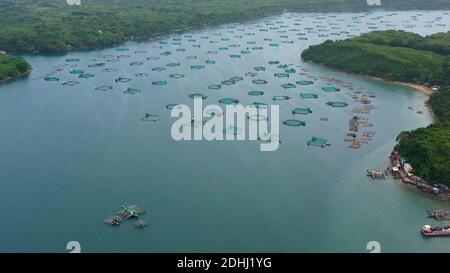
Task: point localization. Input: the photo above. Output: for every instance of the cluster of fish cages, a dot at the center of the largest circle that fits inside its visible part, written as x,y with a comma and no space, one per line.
170,62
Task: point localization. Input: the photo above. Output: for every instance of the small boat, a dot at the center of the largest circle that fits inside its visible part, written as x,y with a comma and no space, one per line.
376,174
439,214
427,230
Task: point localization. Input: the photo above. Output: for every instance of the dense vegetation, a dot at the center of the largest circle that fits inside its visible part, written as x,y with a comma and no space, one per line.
403,56
428,149
11,67
54,26
392,55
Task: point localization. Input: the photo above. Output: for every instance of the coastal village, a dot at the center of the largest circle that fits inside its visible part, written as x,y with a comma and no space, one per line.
400,169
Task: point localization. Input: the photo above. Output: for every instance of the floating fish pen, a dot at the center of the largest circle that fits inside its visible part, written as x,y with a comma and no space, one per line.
236,79
173,64
259,68
158,69
290,71
319,142
198,66
308,96
214,86
232,130
256,93
72,60
195,123
122,79
257,117
269,137
337,104
368,134
70,83
354,143
228,101
259,81
176,76
104,88
211,112
294,123
330,89
127,212
159,83
122,49
258,105
288,85
304,82
198,96
251,74
141,75
76,71
132,91
245,52
281,75
96,65
51,79
86,76
171,106
150,117
210,62
278,98
235,56
353,124
228,82
166,53
136,63
109,69
274,62
302,111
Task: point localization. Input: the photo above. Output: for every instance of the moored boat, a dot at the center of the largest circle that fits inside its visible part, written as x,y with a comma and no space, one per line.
427,230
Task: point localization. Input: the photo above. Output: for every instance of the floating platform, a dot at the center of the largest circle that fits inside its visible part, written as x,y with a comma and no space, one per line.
439,214
127,212
319,142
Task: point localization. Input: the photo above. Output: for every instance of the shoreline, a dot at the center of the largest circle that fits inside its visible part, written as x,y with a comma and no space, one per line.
414,86
418,87
16,77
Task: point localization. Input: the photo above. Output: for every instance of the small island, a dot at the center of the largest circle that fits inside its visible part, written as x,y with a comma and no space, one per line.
410,59
12,68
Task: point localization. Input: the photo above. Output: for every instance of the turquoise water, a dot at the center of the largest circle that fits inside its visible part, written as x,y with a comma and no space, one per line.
71,155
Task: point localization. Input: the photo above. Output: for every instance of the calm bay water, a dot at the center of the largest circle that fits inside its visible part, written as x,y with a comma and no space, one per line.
70,156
